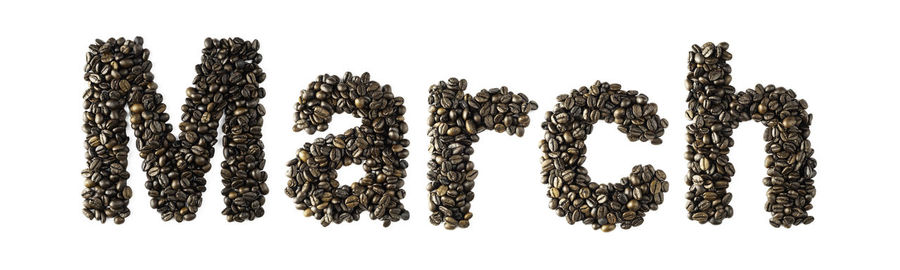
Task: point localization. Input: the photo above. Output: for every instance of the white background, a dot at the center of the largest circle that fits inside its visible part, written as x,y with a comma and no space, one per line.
841,58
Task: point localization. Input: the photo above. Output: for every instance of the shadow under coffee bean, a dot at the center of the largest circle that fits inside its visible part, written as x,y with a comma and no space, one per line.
716,110
572,193
227,84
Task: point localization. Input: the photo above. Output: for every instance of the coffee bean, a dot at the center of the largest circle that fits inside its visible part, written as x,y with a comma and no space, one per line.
377,144
94,78
716,109
453,131
607,227
704,164
633,205
451,173
572,193
471,128
701,217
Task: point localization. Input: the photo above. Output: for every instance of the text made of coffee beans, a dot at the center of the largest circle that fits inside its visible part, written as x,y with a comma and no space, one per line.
227,89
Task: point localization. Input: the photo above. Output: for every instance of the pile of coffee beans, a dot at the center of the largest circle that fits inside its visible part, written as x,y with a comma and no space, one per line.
377,144
572,193
455,121
227,82
716,110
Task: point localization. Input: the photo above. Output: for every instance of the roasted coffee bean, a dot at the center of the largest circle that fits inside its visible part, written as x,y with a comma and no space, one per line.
378,145
227,83
455,121
716,109
572,193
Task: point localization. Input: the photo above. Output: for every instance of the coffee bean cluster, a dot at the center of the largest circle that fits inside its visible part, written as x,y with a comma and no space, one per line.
572,193
455,121
227,83
377,144
716,110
